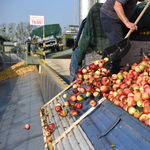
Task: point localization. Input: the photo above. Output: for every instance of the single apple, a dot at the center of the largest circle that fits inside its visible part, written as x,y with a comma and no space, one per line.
93,102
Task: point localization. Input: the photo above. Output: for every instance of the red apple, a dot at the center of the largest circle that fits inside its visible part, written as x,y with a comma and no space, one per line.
127,91
93,102
58,108
63,113
105,80
145,96
104,89
51,126
146,103
147,122
74,112
146,109
91,79
89,88
82,90
78,80
80,70
73,98
79,75
93,67
147,89
67,104
27,126
78,105
137,96
101,63
143,117
47,133
137,114
84,71
131,101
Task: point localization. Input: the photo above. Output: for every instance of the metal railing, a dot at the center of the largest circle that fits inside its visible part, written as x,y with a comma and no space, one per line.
12,56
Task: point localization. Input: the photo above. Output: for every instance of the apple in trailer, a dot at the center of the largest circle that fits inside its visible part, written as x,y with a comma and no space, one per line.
79,75
120,76
74,112
93,102
143,117
58,108
93,67
78,105
80,70
101,63
88,88
105,81
67,104
73,98
80,97
27,126
63,113
104,89
65,95
139,103
137,114
145,96
88,94
51,126
75,90
106,59
47,133
96,94
146,109
146,103
82,90
131,110
84,71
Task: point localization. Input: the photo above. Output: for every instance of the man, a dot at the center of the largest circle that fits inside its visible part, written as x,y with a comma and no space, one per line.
28,47
115,15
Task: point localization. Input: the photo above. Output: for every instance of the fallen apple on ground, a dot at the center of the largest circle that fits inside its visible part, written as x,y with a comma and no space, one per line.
27,126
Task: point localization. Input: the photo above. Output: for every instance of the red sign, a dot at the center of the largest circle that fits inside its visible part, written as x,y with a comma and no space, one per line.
36,20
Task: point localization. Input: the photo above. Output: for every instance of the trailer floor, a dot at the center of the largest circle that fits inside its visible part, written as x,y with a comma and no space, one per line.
20,100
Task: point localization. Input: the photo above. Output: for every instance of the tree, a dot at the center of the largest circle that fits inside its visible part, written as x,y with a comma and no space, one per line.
16,33
3,29
23,31
12,31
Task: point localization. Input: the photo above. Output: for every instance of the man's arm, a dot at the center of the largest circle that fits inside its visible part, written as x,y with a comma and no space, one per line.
120,12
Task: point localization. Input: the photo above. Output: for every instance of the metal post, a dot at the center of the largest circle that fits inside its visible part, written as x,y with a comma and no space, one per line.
44,43
26,53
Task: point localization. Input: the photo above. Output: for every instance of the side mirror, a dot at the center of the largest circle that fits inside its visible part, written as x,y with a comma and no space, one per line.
70,43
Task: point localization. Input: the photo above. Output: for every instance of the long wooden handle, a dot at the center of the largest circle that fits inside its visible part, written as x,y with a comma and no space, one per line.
139,17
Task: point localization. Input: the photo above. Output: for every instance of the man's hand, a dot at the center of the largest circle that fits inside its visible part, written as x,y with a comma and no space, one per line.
131,26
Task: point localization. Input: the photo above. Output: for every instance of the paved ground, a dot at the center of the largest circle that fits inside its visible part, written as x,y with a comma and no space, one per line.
61,67
20,100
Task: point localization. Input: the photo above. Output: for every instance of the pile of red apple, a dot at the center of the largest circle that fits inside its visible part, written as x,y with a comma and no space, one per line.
48,128
129,89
